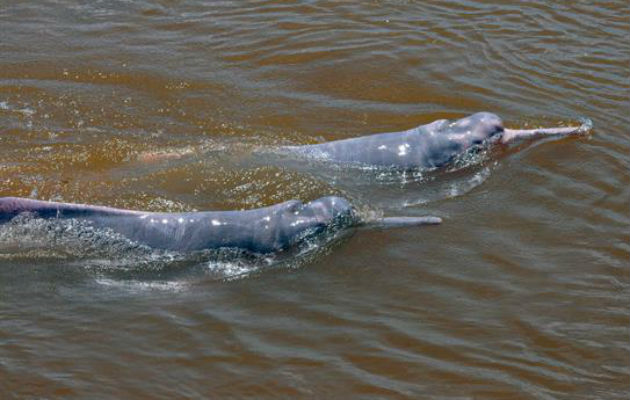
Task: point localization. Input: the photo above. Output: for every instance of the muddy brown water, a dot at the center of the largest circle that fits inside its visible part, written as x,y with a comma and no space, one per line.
523,292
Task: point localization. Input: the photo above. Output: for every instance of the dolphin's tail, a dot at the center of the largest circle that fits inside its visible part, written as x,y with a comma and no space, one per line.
399,222
510,135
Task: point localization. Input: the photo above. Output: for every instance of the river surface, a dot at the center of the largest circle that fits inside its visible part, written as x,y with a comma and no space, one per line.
522,292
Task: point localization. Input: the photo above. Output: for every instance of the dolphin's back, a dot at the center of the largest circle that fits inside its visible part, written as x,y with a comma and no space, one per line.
13,206
261,230
415,147
426,146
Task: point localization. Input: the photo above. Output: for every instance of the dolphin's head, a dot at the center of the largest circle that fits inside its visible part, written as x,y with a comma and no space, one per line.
325,211
298,220
332,210
477,129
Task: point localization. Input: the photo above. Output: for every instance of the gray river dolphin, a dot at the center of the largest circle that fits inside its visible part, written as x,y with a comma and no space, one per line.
428,146
262,230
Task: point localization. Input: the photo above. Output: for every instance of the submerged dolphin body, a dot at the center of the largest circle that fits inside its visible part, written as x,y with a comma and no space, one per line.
427,146
262,230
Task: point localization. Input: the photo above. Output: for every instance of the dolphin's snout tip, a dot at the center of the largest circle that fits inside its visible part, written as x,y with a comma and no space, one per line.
586,125
433,220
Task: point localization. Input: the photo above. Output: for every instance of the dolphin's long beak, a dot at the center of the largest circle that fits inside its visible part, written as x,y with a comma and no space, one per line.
400,222
510,135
